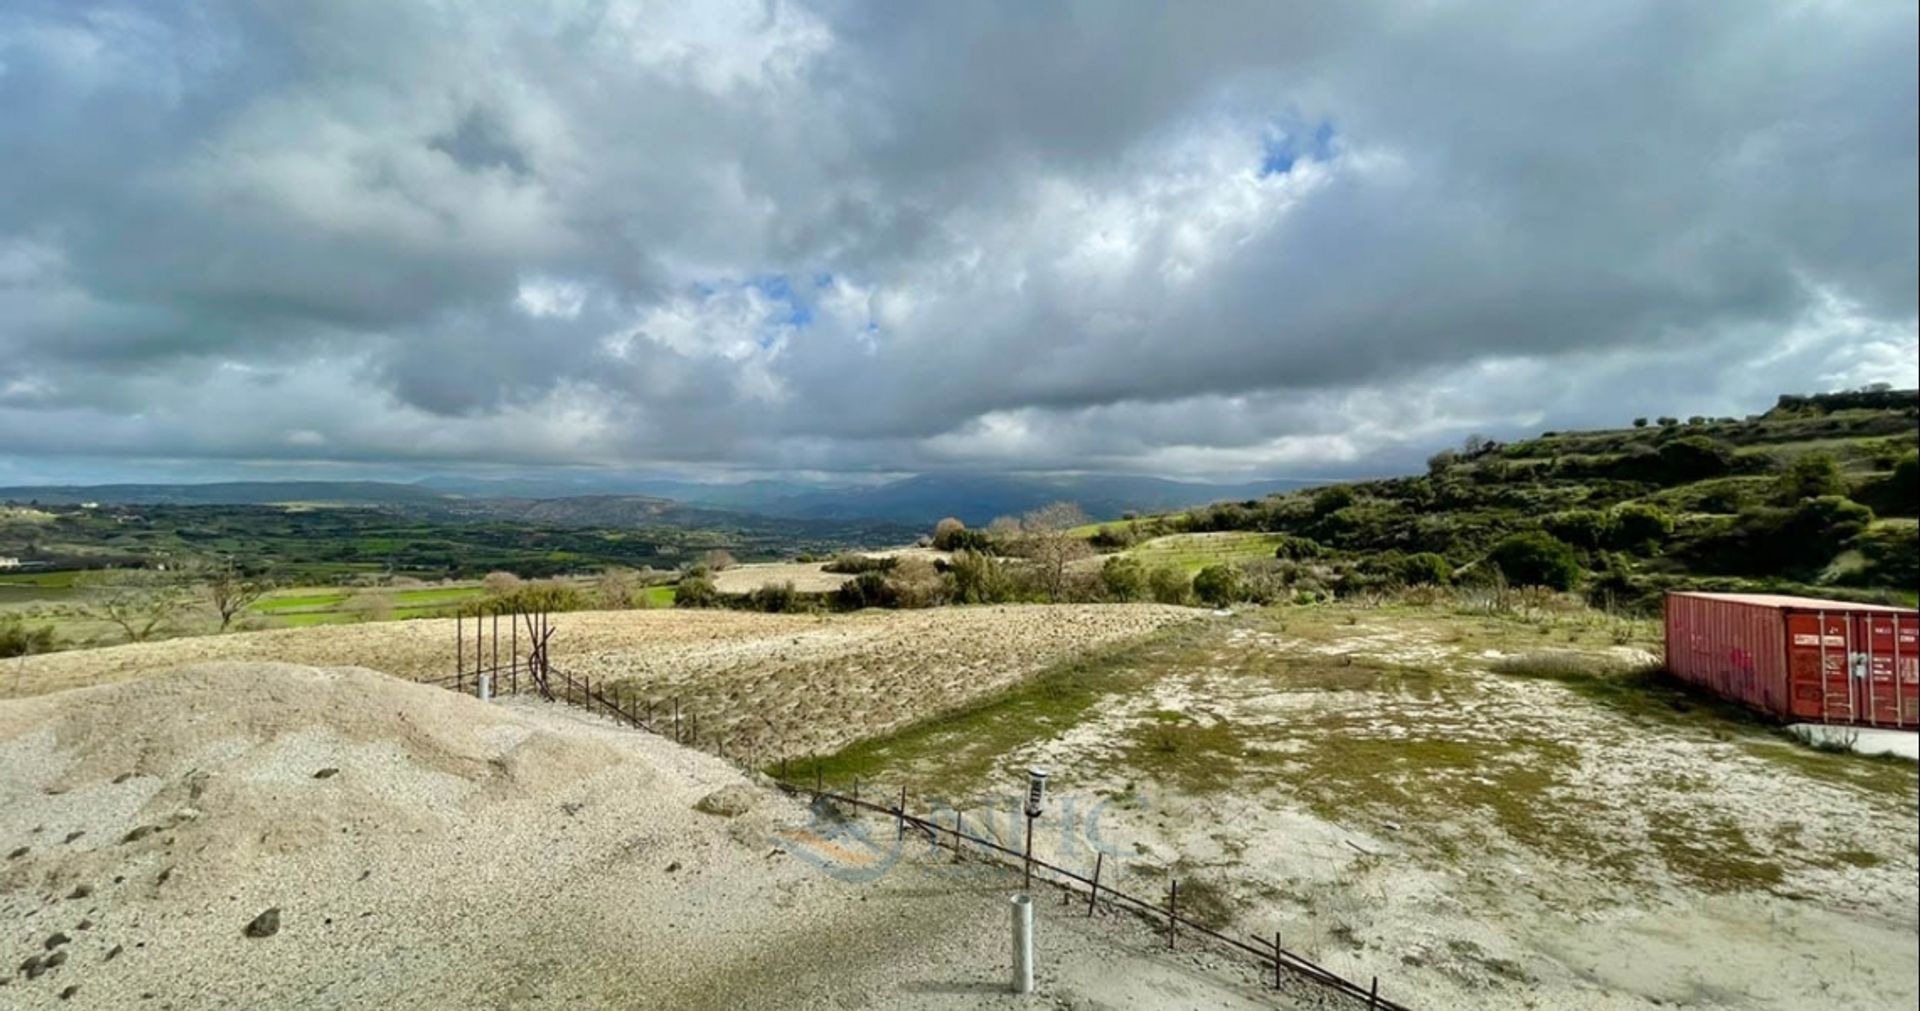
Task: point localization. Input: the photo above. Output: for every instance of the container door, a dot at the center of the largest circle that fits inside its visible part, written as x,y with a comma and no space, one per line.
1886,663
1823,688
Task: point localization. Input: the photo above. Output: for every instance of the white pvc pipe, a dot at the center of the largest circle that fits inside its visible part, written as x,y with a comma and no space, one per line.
1023,943
486,687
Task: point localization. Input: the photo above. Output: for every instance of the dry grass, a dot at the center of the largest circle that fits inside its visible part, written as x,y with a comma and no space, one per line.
769,683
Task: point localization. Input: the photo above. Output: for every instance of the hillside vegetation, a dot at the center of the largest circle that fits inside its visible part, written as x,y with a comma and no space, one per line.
1818,494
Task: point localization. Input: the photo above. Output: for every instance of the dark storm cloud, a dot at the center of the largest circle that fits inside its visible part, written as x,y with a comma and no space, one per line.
1231,239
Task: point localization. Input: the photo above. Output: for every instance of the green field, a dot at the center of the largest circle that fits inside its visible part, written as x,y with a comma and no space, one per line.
1193,552
300,606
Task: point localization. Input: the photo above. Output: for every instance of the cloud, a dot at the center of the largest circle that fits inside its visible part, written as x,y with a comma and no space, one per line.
774,235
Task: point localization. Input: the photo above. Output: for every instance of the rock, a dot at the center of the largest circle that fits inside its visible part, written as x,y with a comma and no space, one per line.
75,834
139,833
80,892
55,960
86,924
327,773
33,967
17,854
266,924
68,993
572,808
673,867
728,801
113,953
59,938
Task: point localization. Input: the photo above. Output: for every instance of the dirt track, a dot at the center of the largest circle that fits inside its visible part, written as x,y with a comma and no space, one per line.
775,683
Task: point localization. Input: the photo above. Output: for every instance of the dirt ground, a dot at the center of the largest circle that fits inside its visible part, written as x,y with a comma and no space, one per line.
770,684
1360,781
424,849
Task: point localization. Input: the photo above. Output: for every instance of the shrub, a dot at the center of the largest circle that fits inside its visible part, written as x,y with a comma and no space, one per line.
1330,500
1296,549
977,578
1425,569
716,560
1441,462
1115,537
1168,585
1638,526
1810,476
776,598
1693,458
852,564
1892,554
1536,558
868,589
1639,422
370,605
499,584
1585,528
18,639
696,590
945,531
914,582
1219,585
546,595
616,590
1123,578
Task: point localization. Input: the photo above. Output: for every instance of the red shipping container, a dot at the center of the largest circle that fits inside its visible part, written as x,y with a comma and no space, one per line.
1801,659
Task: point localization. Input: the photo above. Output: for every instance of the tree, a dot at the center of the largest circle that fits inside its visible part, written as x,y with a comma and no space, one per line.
142,603
1536,558
1439,462
1219,585
231,590
915,582
1639,422
1587,528
1810,476
1124,578
716,560
1047,541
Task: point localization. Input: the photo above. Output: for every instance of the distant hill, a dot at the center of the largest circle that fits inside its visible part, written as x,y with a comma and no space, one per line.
977,498
344,493
618,500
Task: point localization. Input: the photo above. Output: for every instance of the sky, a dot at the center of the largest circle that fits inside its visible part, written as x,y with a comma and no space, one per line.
723,238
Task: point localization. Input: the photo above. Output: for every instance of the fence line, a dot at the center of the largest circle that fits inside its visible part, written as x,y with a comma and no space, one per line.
557,685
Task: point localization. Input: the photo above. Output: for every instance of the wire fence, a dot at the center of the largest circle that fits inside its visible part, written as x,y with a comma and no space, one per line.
536,673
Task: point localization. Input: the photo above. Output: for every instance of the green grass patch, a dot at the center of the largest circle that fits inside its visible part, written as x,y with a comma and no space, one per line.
1711,854
299,602
1194,552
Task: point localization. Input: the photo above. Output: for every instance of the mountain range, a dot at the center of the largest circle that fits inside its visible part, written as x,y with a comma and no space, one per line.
621,501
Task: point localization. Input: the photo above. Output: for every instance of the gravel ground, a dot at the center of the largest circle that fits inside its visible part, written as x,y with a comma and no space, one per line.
770,683
424,848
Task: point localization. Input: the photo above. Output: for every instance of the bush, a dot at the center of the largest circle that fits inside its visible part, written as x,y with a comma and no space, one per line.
868,589
499,584
546,595
1425,569
1297,549
1219,585
18,639
914,582
696,590
776,598
1536,558
1892,554
1123,578
1693,458
1115,537
1585,528
1639,527
976,577
1168,585
717,560
853,565
1810,476
945,531
1331,500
